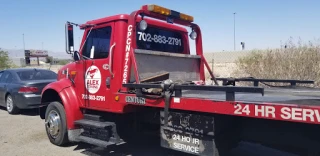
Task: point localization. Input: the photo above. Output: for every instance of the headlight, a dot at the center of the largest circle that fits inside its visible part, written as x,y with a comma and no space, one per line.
143,25
193,35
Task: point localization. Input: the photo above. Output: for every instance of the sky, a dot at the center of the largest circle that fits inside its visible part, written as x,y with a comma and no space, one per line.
259,23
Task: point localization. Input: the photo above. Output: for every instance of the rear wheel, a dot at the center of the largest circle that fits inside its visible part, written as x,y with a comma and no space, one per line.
55,124
10,105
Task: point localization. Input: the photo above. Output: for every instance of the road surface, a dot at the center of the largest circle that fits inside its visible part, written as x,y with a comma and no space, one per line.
24,135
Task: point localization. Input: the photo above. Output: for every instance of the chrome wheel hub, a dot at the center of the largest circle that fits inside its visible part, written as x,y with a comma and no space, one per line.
9,104
53,123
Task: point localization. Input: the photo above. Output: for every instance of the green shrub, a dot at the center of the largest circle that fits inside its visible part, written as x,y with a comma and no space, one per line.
296,61
63,62
5,61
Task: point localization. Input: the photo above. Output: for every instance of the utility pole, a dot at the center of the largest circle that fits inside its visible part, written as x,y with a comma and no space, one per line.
234,30
212,66
24,46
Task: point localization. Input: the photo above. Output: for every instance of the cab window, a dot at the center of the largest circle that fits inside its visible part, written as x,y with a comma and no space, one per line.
99,41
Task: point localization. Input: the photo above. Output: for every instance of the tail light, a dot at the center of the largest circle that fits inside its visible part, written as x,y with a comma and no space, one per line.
28,90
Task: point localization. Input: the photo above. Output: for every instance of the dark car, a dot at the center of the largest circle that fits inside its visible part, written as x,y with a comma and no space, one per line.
20,88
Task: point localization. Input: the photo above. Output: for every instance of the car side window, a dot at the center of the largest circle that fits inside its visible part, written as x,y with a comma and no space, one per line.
9,78
4,77
99,41
1,74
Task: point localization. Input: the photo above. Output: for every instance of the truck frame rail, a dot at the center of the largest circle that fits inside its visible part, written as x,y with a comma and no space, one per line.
232,81
177,88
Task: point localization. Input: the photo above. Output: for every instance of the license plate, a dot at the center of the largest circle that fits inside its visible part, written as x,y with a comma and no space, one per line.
188,133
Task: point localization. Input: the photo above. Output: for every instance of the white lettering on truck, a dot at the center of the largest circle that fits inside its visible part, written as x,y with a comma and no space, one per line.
300,114
126,59
186,143
285,113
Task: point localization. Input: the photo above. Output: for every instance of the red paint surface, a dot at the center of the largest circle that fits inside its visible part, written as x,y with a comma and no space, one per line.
69,100
73,102
229,108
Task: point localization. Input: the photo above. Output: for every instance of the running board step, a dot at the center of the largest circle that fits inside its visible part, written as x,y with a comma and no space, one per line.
99,133
93,141
92,117
93,123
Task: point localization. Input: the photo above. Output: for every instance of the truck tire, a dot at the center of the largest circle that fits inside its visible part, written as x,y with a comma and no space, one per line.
220,151
55,124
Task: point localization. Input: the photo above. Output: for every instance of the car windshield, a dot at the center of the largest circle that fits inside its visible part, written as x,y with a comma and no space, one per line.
158,39
36,75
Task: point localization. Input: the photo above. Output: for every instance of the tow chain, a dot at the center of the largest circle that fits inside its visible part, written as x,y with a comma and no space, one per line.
165,93
167,98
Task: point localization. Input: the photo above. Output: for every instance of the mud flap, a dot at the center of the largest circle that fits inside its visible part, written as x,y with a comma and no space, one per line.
189,133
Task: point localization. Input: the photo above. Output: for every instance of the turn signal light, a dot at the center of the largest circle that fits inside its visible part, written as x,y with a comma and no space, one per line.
73,73
116,98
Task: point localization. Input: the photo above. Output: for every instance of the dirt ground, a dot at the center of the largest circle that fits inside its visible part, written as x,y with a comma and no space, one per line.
24,135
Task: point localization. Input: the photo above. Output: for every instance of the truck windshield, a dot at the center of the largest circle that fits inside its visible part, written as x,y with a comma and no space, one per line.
158,39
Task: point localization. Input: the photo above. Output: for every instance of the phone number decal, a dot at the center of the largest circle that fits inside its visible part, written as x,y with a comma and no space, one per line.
93,97
159,39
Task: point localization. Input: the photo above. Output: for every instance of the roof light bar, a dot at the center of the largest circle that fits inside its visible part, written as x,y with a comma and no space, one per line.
186,17
167,12
159,9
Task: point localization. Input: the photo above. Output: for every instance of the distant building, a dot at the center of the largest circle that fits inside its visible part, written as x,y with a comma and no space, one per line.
21,62
18,61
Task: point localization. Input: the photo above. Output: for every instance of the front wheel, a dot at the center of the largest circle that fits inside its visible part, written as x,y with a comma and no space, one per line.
55,124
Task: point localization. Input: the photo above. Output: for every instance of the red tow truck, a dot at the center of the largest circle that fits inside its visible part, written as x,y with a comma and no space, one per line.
134,74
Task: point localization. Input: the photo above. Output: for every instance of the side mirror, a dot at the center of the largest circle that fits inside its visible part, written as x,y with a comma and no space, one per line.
69,38
76,56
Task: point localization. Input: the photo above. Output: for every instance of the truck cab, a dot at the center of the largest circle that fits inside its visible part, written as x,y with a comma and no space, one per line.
102,64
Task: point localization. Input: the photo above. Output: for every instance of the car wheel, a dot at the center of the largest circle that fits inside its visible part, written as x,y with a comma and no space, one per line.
11,107
55,124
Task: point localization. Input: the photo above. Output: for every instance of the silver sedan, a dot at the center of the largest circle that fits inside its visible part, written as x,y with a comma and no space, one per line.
20,88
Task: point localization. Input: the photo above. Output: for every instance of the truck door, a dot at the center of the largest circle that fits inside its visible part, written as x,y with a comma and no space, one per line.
91,85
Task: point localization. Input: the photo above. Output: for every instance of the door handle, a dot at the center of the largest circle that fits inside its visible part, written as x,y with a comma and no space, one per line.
110,59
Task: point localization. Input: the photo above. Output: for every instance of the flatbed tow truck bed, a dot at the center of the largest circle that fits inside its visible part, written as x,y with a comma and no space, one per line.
284,103
278,95
298,106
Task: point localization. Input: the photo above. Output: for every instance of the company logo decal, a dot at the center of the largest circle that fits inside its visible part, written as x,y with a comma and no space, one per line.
93,79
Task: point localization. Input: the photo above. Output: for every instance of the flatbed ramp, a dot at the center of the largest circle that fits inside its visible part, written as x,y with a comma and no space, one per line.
298,96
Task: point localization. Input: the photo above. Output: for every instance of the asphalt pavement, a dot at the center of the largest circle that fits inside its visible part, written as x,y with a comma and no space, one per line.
24,135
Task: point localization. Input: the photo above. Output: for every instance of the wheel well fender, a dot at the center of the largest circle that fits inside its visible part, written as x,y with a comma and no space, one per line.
5,97
63,92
